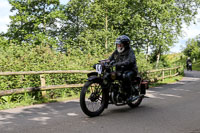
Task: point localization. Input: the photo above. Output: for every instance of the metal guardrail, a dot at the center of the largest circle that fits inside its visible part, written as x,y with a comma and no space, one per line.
43,86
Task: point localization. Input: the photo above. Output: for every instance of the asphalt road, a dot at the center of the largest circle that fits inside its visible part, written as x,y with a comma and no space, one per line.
172,108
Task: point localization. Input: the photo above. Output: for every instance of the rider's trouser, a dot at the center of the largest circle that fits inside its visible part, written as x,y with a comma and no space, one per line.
128,77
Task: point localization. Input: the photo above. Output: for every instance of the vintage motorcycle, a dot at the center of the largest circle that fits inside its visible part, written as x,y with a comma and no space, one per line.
105,86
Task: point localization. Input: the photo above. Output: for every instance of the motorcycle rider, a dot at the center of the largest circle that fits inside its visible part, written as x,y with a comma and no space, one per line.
189,62
125,61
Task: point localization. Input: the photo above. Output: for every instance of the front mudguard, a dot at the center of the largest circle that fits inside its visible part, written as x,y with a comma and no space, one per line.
92,74
95,79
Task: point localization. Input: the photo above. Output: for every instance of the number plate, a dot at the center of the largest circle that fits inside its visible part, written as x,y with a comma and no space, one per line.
98,69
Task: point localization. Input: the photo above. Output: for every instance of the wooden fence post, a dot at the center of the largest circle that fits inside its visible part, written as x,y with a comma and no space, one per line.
163,74
147,74
175,70
43,83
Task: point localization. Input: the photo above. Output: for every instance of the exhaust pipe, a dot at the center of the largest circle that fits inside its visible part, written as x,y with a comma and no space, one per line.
134,98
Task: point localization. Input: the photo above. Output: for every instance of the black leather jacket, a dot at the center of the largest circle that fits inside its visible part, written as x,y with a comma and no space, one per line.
126,59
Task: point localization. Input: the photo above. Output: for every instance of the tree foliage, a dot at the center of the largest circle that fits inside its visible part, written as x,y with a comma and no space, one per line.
192,48
34,21
91,26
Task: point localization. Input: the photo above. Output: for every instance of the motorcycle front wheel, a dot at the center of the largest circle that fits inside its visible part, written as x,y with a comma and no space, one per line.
92,99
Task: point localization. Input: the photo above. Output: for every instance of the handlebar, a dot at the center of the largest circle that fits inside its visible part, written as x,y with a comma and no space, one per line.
112,62
105,64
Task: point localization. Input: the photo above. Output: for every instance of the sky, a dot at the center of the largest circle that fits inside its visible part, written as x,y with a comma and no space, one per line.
188,32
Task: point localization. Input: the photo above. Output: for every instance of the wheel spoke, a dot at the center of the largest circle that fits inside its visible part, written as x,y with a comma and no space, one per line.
94,100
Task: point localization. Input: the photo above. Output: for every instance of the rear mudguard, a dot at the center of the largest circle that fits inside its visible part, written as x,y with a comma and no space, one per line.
144,86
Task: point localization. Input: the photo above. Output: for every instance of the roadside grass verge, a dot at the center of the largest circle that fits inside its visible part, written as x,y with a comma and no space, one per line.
196,66
166,81
29,100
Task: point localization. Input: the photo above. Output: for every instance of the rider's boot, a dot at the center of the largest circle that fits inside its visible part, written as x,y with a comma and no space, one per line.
133,91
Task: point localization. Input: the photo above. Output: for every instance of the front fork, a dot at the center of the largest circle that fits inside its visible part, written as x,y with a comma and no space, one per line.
105,89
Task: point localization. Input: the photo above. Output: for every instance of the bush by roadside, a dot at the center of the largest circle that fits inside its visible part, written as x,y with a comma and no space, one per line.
41,58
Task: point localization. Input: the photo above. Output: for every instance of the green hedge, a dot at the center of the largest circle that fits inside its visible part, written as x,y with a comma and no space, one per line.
41,58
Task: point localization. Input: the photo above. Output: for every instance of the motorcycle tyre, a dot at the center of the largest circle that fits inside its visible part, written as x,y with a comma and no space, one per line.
134,105
83,103
138,101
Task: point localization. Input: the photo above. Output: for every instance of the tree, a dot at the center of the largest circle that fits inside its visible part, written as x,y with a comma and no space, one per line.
71,23
87,25
32,17
164,21
192,48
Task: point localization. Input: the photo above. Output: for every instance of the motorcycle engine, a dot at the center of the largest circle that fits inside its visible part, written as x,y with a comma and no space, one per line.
117,96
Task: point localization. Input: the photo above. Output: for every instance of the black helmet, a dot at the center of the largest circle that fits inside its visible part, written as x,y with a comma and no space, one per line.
123,39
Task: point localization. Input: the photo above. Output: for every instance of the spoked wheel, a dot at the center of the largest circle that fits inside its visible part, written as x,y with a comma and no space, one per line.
92,99
137,102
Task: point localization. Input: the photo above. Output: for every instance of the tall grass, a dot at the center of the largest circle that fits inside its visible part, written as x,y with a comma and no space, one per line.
196,66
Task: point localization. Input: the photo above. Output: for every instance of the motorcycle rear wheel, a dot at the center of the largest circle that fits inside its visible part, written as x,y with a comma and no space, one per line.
137,102
92,99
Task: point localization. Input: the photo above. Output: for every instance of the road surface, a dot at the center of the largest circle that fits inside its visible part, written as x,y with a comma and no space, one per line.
172,108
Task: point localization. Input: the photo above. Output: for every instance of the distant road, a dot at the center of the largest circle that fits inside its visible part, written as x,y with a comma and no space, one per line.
172,108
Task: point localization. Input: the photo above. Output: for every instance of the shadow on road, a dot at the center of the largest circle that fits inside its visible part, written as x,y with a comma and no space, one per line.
44,115
36,115
41,115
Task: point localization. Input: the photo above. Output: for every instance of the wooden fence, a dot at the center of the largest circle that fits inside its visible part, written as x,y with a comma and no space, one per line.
162,73
43,86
